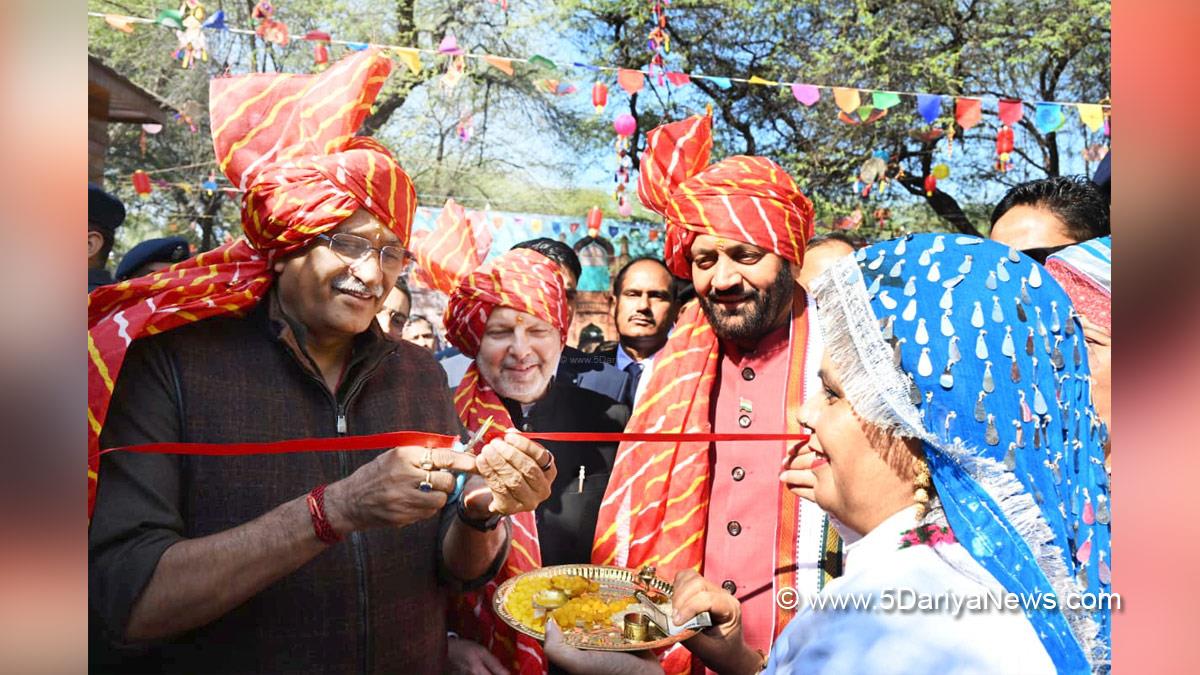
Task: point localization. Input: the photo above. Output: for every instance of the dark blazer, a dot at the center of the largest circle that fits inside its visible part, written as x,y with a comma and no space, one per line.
596,371
567,520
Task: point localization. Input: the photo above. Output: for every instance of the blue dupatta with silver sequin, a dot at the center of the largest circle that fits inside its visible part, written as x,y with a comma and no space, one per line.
973,348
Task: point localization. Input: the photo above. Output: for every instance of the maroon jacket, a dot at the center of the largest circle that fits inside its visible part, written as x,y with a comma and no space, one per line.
371,603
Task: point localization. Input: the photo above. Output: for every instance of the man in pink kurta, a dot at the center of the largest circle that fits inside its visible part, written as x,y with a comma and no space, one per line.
740,360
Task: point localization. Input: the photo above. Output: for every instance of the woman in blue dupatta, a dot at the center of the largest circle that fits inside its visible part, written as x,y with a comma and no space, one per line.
957,445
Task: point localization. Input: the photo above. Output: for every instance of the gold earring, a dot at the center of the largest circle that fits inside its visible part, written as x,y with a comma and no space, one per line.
922,483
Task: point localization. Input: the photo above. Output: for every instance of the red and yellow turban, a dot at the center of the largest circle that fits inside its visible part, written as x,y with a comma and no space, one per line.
750,199
288,141
528,282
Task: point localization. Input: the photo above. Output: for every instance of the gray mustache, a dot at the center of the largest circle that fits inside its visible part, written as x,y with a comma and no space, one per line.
353,285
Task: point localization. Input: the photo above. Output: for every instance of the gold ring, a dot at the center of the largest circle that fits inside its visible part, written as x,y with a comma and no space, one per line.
427,460
426,485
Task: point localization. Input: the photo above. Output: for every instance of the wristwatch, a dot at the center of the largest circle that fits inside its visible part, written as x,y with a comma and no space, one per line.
486,525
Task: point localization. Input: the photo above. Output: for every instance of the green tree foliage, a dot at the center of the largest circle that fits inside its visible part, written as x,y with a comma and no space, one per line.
1033,50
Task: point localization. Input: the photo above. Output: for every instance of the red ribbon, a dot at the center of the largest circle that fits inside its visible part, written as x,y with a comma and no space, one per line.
420,439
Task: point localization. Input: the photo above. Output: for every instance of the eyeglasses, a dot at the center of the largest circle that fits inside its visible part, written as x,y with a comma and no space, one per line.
393,260
1040,254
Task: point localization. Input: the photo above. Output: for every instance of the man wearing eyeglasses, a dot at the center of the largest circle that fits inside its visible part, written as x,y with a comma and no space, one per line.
1042,217
315,562
396,308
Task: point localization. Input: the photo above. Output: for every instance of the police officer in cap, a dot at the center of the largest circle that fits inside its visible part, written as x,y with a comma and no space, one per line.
153,255
105,214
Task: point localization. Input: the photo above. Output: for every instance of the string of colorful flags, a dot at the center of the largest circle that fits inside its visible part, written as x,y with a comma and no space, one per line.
856,105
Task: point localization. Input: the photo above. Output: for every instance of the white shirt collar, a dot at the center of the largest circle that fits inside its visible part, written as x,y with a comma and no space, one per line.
882,540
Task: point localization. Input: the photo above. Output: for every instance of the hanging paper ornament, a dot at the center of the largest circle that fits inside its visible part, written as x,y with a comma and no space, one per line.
502,64
1092,115
658,43
612,231
625,124
574,227
884,99
624,207
930,184
320,47
455,70
594,218
535,225
556,226
268,28
192,43
599,96
940,171
539,61
141,183
411,58
1004,148
465,127
871,170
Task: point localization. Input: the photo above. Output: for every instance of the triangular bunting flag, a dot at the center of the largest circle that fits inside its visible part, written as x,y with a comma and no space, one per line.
502,64
806,94
722,82
119,22
1010,112
1092,115
631,81
930,106
678,79
884,99
968,112
1048,117
411,58
848,100
542,62
754,79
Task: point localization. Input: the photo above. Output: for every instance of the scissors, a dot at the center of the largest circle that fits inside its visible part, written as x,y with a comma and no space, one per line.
469,446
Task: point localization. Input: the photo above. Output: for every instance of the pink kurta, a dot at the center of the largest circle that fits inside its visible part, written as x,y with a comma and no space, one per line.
744,504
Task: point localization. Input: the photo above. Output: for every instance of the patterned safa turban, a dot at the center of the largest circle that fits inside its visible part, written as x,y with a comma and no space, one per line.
288,141
750,199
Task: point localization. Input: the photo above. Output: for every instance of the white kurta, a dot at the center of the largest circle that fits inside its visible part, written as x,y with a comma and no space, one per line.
876,641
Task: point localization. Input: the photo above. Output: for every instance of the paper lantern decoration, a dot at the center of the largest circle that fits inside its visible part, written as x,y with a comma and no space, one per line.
216,21
141,183
625,125
594,219
872,170
941,171
930,184
1004,148
624,207
599,97
320,48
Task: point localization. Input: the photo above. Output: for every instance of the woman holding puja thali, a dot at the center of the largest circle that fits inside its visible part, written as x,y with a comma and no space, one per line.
956,442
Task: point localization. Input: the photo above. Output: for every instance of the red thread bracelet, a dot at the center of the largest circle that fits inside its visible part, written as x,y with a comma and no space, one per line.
316,509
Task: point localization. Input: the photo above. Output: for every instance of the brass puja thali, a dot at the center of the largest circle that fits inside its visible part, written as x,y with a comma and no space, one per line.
597,607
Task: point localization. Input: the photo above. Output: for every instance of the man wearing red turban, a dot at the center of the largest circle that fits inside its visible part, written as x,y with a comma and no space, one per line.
511,315
740,359
203,563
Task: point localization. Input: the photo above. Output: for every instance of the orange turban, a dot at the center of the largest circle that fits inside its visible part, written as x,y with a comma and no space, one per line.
750,199
528,282
288,141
